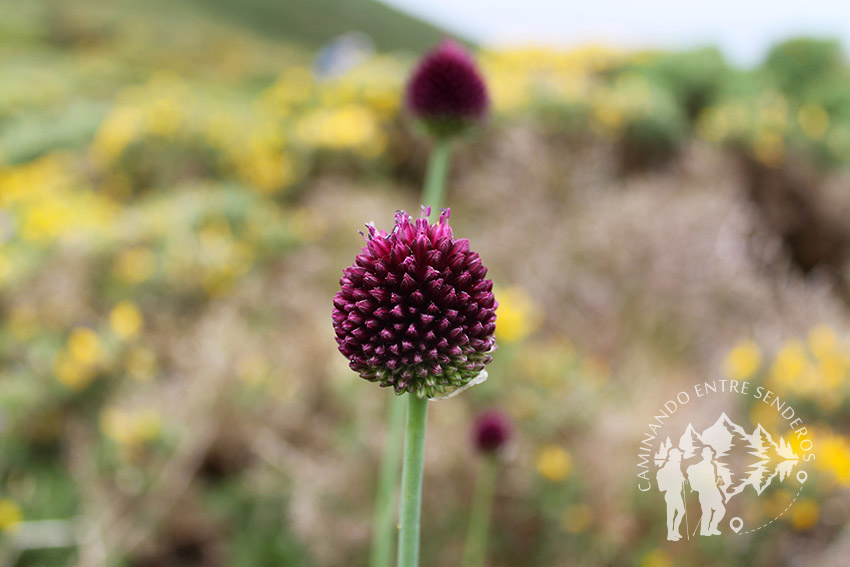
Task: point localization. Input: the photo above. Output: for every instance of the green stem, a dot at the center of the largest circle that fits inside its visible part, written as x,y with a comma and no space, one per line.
433,194
383,526
479,519
435,179
411,481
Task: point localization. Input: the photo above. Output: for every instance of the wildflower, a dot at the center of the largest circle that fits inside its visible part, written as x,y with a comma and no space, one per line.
743,361
125,320
519,315
415,311
84,345
10,515
554,463
491,431
805,515
446,91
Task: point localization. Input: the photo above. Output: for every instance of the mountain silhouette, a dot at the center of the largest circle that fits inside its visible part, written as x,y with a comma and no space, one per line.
729,441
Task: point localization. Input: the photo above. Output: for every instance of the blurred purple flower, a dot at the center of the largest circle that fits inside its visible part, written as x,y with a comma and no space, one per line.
415,311
446,91
492,429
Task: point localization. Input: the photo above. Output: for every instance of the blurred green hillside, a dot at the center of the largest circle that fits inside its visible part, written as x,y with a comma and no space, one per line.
315,22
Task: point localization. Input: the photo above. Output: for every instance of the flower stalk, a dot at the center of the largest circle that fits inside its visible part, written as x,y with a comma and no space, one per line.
411,481
433,192
384,523
479,519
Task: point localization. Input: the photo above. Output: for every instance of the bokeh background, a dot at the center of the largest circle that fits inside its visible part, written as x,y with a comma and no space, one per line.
181,183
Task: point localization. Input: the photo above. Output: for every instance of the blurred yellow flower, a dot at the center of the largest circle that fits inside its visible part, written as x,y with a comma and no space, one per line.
517,315
163,116
789,364
554,463
813,121
10,515
577,518
769,147
147,425
656,558
116,132
117,425
125,320
135,265
834,457
804,514
822,341
743,361
84,345
131,428
72,373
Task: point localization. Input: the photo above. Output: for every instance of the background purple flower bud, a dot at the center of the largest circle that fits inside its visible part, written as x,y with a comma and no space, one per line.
446,91
492,429
415,311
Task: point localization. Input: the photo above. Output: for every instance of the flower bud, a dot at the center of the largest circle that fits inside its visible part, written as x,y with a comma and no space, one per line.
491,431
446,92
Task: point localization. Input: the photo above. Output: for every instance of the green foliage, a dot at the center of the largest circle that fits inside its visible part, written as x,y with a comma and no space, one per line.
800,65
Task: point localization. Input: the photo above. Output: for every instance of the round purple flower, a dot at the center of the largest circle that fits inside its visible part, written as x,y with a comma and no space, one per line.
446,91
415,311
492,429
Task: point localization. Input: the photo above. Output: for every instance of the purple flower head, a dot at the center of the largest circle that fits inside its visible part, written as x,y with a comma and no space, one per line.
491,431
415,311
446,91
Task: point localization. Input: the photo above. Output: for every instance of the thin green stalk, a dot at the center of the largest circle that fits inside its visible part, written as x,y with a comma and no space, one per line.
411,481
383,525
433,194
479,519
435,179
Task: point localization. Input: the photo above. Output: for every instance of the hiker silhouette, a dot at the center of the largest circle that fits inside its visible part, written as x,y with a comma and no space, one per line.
671,482
702,477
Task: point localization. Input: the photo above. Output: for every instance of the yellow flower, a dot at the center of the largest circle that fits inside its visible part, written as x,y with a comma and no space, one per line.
769,148
131,428
656,558
84,345
834,457
10,515
147,426
517,316
804,514
822,341
743,361
554,463
789,365
117,425
125,320
813,120
135,265
71,373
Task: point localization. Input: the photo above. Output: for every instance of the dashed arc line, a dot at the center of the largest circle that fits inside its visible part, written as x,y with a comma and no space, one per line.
777,517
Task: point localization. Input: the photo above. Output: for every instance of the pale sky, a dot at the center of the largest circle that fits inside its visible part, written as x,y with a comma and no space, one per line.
744,29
